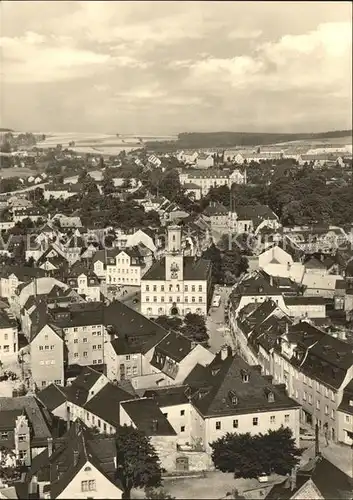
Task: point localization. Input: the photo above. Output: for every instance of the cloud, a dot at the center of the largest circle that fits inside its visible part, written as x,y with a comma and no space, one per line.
34,58
317,60
241,34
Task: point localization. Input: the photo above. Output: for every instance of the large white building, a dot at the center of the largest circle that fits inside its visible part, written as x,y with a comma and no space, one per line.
176,285
207,179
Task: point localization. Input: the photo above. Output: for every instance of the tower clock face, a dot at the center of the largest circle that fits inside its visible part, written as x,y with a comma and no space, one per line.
174,268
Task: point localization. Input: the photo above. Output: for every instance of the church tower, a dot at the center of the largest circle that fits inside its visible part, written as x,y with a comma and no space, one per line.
174,259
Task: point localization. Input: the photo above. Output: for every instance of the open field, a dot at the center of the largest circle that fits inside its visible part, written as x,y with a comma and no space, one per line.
16,172
98,143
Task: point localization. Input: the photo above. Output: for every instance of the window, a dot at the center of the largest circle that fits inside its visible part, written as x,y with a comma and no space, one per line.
47,348
200,299
58,382
166,415
22,438
88,485
186,288
318,386
98,422
6,337
147,299
84,340
41,348
4,435
326,392
347,419
182,428
304,396
332,396
182,413
170,288
286,419
147,288
235,424
94,347
154,288
255,421
162,288
75,329
75,354
162,299
170,299
75,341
318,404
310,382
105,427
193,299
85,354
134,370
326,410
218,425
186,299
333,414
178,299
304,379
310,399
272,419
200,288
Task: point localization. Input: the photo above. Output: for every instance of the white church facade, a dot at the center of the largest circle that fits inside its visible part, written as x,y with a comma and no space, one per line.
176,285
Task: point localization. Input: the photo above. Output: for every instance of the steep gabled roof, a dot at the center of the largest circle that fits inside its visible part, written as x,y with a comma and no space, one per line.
148,417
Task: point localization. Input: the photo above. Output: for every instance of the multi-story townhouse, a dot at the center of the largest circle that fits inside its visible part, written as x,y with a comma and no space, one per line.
84,332
85,283
8,335
91,397
217,215
315,366
24,427
13,276
80,464
176,285
207,179
319,479
252,218
47,353
345,416
254,289
119,267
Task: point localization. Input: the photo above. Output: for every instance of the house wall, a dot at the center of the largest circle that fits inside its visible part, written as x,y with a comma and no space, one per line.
309,311
190,296
288,418
103,486
85,344
124,271
8,342
8,286
47,358
345,425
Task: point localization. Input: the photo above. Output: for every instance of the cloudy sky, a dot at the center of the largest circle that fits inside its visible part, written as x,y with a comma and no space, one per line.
168,67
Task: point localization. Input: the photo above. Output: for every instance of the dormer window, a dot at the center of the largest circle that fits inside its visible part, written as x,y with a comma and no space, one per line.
271,397
233,397
245,376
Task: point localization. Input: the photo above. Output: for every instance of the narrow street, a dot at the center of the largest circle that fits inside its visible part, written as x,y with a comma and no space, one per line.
217,330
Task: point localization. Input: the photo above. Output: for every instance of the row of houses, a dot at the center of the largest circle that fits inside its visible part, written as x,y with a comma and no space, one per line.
289,335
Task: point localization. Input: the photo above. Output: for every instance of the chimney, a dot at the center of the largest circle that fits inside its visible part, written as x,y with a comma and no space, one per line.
68,418
50,446
75,457
293,479
224,352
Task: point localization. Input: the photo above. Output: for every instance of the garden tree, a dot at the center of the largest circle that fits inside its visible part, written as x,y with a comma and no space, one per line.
170,323
107,182
36,195
157,494
249,456
138,463
234,264
170,184
9,472
195,328
127,184
10,184
213,254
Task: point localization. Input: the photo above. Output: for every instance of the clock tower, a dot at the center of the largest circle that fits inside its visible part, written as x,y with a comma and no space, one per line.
174,255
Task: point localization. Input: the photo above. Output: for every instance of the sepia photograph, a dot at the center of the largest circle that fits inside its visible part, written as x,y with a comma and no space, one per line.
176,250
